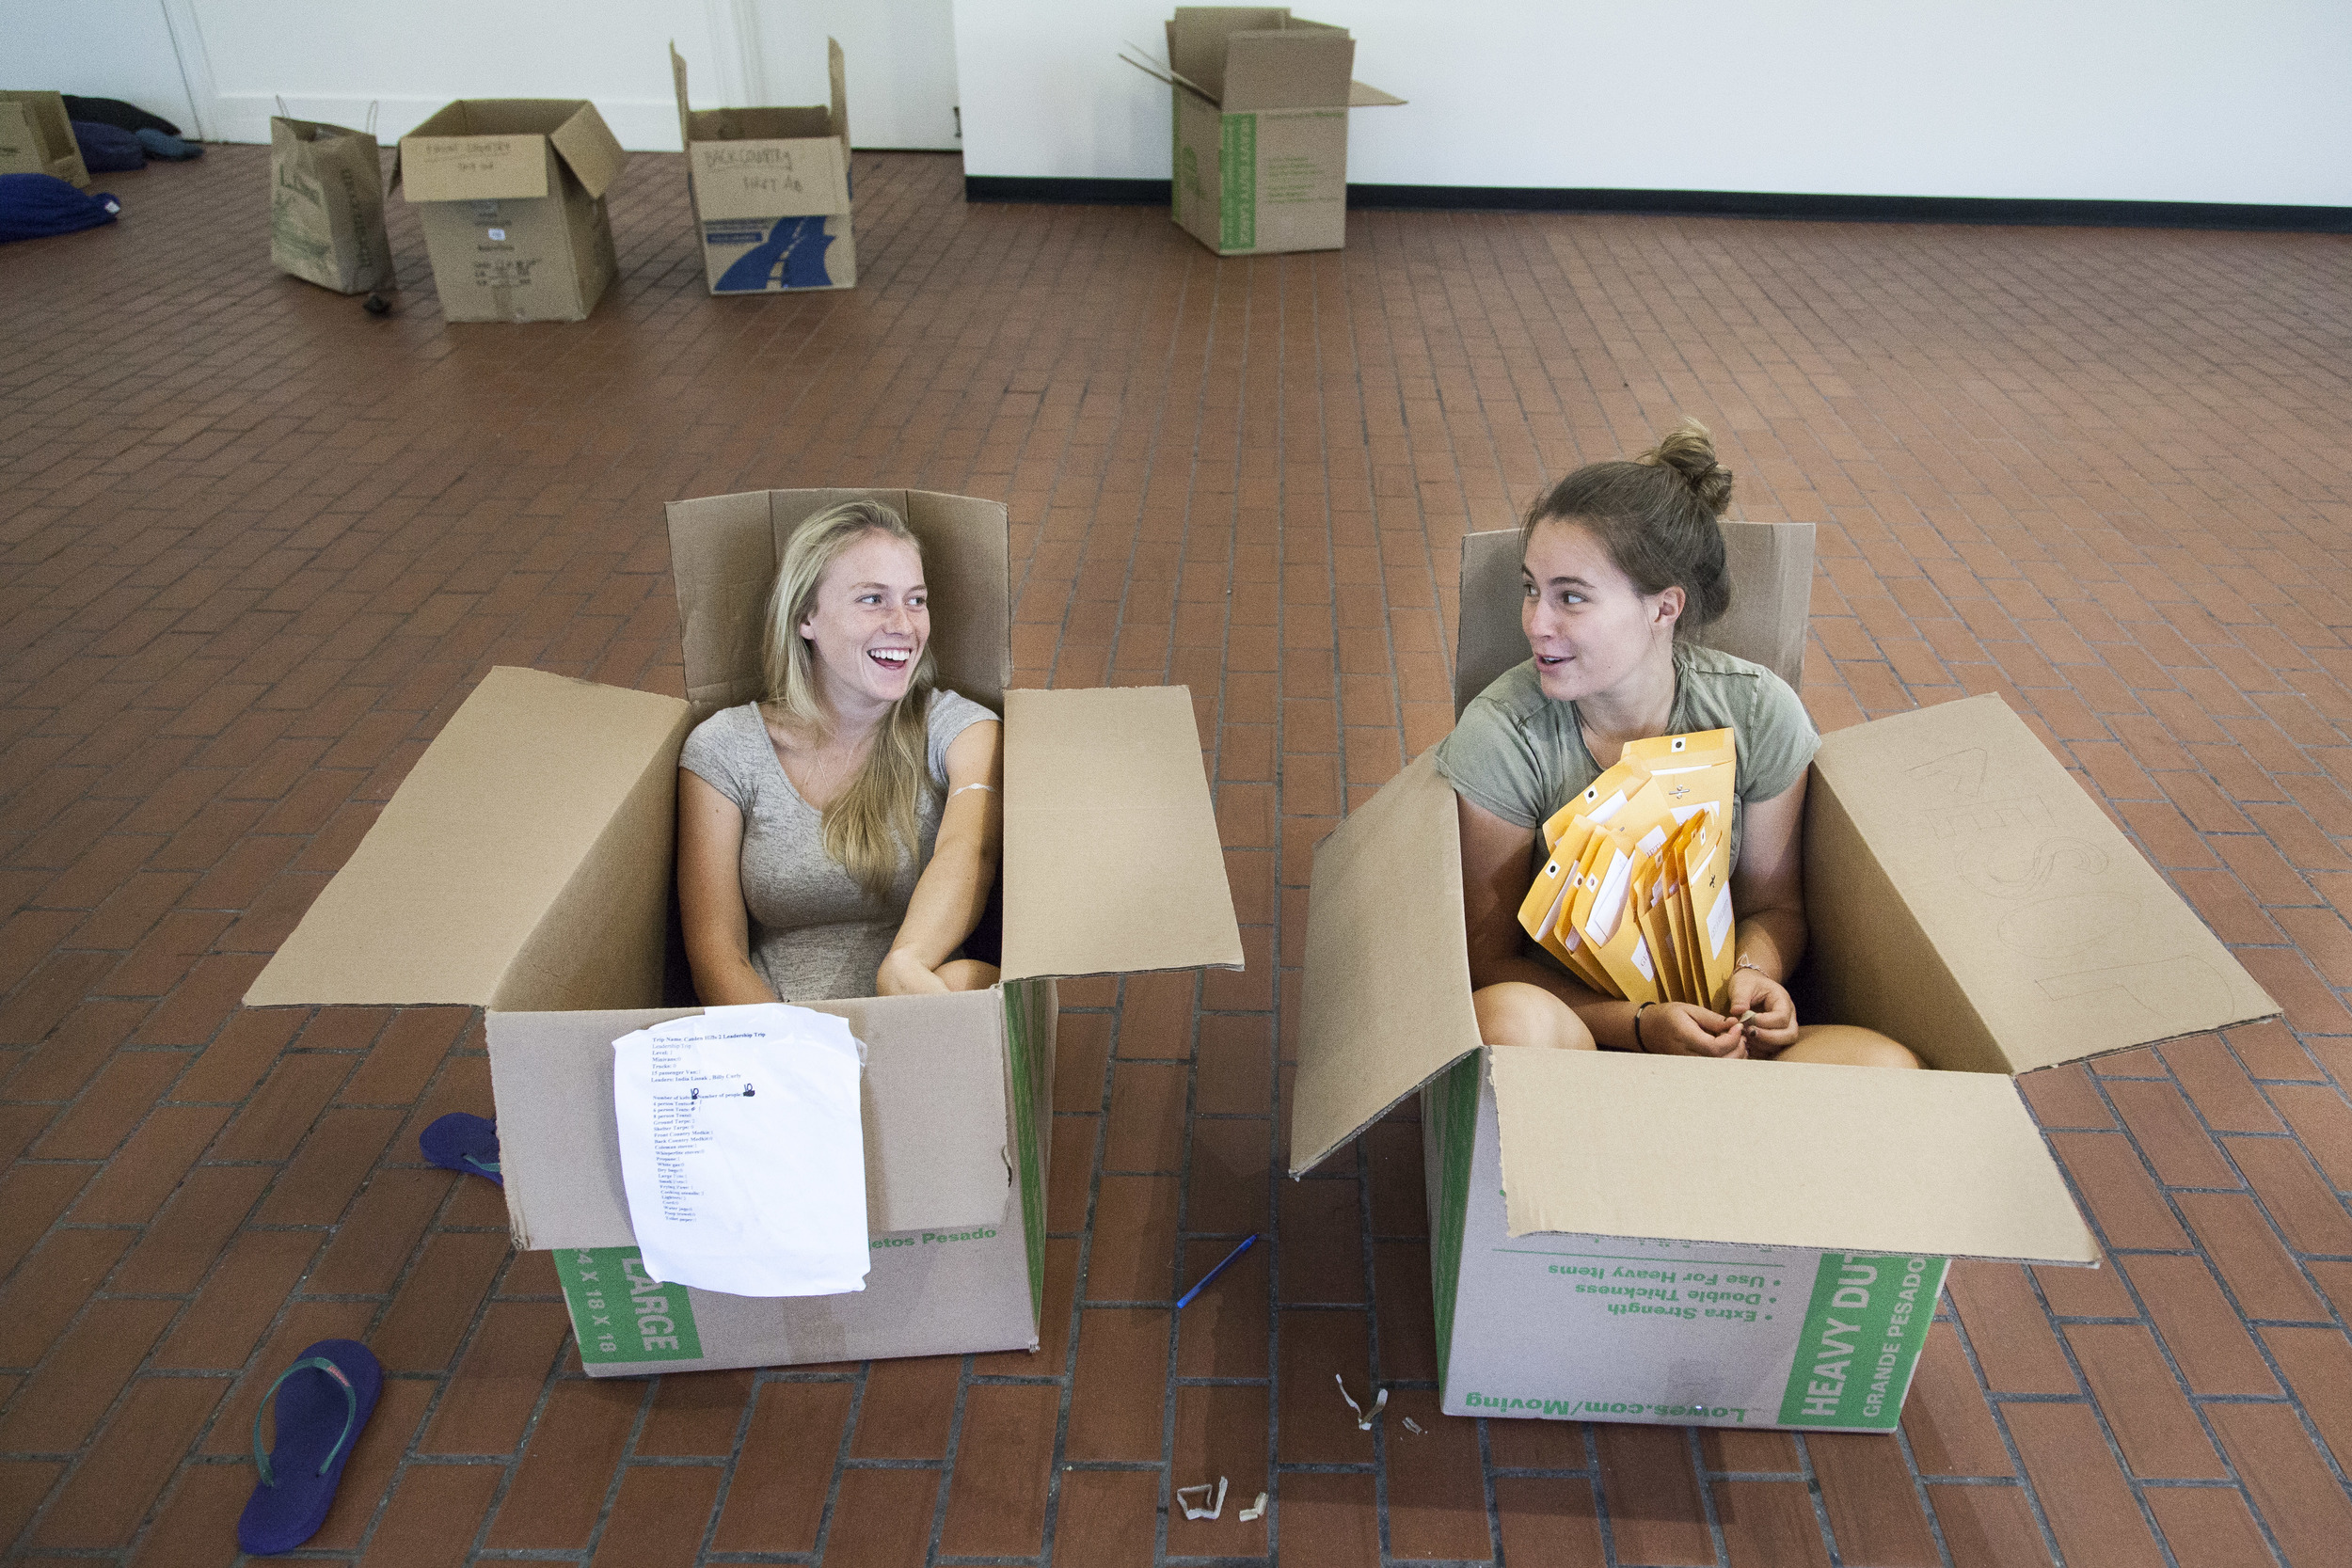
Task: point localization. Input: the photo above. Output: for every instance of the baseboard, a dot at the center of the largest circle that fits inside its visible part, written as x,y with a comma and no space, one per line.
1746,204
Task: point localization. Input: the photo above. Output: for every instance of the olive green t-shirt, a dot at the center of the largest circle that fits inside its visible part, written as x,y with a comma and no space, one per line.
1520,754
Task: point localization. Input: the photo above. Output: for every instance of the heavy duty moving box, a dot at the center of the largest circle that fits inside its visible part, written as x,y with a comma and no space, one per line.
510,194
525,866
1666,1238
37,137
770,190
1259,127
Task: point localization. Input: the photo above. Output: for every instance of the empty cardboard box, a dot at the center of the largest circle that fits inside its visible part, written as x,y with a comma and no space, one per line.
37,137
510,193
1666,1238
1260,123
525,864
770,190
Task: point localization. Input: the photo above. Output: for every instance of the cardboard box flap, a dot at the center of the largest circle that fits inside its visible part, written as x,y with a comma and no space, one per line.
37,137
595,153
725,551
1362,95
496,149
1772,599
1865,1160
838,80
1388,1000
1197,40
497,875
933,1100
1112,858
1954,826
1303,68
677,85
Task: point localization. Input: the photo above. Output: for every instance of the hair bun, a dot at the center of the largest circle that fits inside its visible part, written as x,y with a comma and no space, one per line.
1689,451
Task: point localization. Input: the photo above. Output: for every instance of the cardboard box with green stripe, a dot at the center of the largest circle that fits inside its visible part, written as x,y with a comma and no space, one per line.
1259,122
525,867
1666,1238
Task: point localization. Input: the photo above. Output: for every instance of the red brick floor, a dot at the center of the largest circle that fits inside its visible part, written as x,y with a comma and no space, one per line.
259,545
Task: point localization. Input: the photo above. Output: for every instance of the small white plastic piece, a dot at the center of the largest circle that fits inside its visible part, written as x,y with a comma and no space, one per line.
1363,1417
1207,1509
1415,1427
1255,1511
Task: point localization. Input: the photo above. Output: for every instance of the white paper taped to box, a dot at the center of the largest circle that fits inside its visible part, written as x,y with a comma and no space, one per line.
743,1152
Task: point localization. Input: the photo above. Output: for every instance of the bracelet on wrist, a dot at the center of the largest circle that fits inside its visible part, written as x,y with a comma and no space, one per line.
1638,1044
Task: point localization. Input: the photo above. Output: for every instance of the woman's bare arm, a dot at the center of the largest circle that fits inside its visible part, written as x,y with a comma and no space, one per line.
953,890
710,896
1767,889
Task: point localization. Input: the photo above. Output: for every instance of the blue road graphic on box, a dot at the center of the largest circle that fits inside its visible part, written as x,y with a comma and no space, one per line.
792,253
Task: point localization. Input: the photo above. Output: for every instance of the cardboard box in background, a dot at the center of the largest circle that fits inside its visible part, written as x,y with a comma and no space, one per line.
1666,1238
525,866
326,207
511,196
770,190
1259,127
37,137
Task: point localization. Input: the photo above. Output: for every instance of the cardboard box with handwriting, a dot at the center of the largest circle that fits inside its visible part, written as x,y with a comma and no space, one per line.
510,193
1666,1238
771,190
525,867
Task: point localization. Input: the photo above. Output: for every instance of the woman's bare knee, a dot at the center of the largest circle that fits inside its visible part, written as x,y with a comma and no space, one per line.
966,975
1512,1012
1846,1045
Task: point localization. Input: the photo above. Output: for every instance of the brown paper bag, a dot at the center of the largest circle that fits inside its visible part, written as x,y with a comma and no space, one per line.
326,207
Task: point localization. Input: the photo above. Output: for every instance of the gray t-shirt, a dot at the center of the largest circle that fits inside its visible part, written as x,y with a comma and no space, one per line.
1521,756
815,934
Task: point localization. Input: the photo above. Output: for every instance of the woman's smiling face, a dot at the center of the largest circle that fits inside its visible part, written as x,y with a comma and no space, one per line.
870,621
1589,625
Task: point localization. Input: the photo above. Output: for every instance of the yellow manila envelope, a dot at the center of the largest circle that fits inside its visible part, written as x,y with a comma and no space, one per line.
1695,769
1568,943
1674,899
1610,924
1708,883
1651,881
1600,799
1539,912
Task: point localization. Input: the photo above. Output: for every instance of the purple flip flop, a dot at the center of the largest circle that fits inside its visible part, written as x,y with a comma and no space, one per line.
463,1143
323,1401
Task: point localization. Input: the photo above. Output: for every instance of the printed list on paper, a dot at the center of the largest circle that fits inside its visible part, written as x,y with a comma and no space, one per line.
743,1152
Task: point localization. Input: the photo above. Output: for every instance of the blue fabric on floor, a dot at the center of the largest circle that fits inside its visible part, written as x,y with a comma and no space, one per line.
108,148
34,206
158,145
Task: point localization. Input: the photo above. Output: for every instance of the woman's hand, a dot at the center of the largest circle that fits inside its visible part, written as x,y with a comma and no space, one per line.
1774,1025
1687,1029
905,974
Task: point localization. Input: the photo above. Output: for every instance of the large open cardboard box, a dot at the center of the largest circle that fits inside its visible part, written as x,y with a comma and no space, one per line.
1259,127
525,867
510,193
1631,1238
37,137
770,190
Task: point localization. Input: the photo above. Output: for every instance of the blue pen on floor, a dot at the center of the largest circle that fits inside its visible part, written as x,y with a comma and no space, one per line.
1185,1300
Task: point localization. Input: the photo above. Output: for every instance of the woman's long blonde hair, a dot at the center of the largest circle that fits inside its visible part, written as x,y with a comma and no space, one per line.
872,826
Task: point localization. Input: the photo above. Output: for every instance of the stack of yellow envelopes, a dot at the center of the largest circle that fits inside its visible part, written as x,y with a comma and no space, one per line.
1635,892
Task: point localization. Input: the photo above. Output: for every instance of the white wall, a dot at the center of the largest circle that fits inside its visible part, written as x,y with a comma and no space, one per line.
2117,99
97,49
221,65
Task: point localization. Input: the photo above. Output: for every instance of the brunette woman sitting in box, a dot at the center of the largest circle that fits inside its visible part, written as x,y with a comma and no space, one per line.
1620,559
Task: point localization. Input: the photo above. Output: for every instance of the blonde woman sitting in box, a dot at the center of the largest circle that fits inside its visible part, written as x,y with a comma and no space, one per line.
1618,558
840,838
